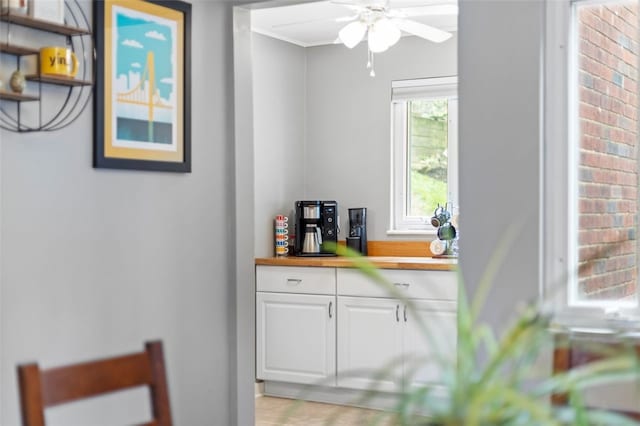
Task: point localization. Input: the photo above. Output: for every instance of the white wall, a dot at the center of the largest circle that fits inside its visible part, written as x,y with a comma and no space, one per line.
94,262
500,54
243,336
279,133
343,152
348,122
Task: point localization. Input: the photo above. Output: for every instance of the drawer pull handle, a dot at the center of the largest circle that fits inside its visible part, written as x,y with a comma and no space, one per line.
293,281
330,305
397,316
405,313
405,285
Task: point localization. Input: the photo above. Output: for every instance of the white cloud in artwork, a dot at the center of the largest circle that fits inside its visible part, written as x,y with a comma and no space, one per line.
136,65
156,35
132,43
167,80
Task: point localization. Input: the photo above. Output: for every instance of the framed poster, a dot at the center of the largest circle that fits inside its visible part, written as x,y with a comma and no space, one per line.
142,103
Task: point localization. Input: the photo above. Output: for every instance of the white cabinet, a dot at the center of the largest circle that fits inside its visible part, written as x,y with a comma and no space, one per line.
335,327
369,342
407,283
383,342
296,332
293,279
429,340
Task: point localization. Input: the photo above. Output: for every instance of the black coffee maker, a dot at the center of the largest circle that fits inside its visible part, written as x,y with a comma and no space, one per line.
357,238
316,225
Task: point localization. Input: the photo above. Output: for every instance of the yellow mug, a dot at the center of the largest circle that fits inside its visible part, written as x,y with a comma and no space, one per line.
58,61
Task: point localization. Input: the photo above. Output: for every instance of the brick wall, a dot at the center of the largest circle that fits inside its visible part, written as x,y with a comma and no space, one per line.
608,158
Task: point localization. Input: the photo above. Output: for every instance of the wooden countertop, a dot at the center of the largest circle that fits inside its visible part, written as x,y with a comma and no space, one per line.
384,262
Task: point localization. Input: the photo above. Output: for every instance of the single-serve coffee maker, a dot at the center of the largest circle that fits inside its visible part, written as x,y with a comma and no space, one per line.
316,225
357,238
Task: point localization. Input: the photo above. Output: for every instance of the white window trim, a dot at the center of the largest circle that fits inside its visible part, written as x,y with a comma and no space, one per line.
404,90
559,237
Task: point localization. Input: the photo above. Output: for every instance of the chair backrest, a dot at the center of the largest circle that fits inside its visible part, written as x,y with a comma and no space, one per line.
570,352
40,389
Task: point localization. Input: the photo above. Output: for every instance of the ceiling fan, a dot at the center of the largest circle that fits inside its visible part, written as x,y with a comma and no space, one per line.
383,25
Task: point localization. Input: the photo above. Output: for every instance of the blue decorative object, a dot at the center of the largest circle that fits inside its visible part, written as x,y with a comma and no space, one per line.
447,232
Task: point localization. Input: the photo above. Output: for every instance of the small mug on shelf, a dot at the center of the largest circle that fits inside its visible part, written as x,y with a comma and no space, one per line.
58,61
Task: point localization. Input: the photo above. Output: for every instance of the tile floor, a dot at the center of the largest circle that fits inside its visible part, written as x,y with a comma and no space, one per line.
272,411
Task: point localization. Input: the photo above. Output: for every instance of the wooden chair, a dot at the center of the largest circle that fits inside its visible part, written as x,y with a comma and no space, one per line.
40,389
572,351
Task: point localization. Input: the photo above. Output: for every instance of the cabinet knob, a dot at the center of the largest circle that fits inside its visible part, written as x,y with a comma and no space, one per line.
397,313
404,285
330,305
294,281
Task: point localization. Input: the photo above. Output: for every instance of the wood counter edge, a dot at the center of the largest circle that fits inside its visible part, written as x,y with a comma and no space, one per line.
341,262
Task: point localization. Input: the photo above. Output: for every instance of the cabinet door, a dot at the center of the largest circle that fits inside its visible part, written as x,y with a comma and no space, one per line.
428,347
296,338
369,343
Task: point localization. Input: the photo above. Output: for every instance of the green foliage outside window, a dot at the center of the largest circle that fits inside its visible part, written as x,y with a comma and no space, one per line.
428,140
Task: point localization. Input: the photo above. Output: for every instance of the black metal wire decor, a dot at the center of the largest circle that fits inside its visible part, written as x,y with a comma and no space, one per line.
66,107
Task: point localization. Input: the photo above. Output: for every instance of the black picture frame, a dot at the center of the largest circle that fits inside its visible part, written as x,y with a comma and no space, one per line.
120,138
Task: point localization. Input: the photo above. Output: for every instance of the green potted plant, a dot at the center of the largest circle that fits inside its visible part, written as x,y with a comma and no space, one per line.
497,380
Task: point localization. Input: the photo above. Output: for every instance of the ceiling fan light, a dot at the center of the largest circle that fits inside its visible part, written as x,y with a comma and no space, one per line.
379,37
388,30
352,34
377,41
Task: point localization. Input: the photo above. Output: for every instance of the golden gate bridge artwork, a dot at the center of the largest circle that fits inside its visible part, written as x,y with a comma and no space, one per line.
142,114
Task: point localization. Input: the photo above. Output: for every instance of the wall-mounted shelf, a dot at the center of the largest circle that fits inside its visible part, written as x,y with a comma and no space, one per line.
17,50
39,24
17,97
61,81
61,109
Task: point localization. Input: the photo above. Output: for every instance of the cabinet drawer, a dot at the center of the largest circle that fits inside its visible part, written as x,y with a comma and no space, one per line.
287,279
413,284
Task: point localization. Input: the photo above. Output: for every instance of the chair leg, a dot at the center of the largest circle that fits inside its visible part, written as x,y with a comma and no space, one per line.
31,403
159,389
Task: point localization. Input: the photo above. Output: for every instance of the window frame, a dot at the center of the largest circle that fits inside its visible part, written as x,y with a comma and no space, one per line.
403,92
559,181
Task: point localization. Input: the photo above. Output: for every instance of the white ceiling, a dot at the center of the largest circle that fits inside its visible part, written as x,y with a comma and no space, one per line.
314,24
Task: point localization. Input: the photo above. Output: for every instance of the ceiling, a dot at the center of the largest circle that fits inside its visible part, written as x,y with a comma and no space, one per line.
314,24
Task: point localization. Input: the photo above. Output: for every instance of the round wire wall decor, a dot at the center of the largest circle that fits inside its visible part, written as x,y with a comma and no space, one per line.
66,98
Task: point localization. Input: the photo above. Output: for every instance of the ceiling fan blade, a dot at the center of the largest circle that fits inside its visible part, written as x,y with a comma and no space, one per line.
361,4
421,10
347,18
315,20
426,32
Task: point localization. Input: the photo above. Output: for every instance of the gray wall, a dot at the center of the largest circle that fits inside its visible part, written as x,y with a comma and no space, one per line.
348,122
499,54
94,262
279,133
344,152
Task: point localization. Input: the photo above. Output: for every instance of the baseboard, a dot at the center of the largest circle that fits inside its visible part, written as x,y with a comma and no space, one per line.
259,388
329,395
341,396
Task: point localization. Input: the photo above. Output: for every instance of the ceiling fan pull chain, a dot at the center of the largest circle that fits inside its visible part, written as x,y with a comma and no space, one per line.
370,62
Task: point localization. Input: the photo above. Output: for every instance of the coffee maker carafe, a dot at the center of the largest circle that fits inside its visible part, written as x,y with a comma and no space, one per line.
316,225
312,239
357,238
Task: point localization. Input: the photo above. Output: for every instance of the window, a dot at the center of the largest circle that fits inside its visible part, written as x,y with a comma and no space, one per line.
424,151
591,157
